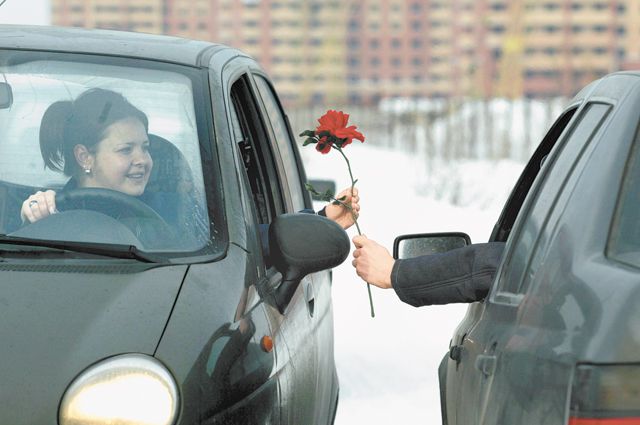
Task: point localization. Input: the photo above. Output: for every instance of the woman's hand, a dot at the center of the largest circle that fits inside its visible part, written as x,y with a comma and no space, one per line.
341,214
373,262
38,206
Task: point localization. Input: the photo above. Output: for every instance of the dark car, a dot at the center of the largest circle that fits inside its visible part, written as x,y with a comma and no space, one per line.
557,340
206,299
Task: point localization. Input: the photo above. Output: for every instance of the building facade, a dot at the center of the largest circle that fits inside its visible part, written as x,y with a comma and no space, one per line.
359,51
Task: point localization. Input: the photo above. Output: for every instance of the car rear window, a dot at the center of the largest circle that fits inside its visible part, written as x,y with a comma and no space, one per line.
624,243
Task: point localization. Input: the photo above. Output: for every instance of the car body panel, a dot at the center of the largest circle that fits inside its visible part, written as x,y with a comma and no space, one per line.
53,328
564,302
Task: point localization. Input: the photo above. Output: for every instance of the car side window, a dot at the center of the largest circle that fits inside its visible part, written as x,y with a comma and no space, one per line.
564,162
256,154
282,137
624,240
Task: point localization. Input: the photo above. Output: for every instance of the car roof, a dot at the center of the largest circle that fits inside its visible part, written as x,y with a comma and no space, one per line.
110,43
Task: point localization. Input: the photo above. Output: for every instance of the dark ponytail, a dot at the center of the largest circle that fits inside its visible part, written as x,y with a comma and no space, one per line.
84,121
52,134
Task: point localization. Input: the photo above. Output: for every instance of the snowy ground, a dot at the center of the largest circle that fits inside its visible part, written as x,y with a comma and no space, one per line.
388,365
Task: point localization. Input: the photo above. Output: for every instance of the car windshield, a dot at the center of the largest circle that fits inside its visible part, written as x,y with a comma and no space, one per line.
118,140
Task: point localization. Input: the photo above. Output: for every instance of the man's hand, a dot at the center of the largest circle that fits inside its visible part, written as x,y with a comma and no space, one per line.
341,214
373,262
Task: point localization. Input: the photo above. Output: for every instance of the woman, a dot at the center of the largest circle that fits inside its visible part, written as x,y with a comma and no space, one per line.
99,140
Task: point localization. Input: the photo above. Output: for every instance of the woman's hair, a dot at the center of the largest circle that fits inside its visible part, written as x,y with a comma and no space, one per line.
83,121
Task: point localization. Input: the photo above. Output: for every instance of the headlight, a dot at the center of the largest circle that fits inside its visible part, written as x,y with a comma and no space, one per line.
124,390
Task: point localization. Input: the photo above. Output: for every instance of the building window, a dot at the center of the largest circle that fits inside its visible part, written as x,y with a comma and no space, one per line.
416,43
374,43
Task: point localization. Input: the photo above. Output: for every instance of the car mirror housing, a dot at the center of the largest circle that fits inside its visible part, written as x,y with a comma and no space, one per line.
415,245
6,96
301,244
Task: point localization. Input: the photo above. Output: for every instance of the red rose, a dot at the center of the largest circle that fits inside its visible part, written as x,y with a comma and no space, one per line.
335,122
323,145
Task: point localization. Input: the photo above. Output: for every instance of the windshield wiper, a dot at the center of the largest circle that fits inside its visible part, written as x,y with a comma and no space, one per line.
106,250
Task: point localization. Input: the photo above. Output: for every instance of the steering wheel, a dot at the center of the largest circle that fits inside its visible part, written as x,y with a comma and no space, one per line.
131,211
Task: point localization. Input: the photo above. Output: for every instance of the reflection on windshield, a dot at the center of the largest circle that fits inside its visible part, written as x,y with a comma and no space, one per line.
102,153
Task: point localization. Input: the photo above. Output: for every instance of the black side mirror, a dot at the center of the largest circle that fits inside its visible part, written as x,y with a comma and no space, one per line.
301,244
6,96
410,246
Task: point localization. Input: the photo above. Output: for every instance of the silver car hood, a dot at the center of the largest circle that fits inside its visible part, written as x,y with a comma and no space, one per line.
55,323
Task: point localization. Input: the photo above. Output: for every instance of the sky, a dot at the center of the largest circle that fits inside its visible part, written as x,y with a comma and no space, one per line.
26,12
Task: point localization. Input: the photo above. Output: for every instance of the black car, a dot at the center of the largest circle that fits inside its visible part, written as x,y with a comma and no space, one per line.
557,339
204,300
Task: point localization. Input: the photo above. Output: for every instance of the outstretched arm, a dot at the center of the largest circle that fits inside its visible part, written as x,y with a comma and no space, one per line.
457,276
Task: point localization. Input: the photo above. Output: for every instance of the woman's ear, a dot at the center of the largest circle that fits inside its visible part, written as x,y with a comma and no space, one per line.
84,158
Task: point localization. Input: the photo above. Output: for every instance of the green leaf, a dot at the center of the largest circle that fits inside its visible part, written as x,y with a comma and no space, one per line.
309,141
308,133
327,195
311,189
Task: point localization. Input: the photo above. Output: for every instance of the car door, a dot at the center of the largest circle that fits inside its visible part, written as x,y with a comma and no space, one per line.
316,292
454,366
270,196
492,342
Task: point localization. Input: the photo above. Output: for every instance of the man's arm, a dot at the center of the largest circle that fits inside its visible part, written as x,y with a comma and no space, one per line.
457,276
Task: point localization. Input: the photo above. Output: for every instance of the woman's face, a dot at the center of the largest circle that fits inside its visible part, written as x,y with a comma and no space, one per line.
122,161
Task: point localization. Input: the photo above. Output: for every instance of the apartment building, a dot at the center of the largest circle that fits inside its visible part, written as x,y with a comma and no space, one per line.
332,51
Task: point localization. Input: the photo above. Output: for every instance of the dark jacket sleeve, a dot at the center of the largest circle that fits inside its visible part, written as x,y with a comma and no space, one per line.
458,276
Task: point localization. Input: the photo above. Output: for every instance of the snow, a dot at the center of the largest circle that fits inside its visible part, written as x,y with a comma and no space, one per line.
387,365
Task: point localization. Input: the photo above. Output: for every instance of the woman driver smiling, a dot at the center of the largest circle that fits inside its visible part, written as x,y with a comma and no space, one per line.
100,140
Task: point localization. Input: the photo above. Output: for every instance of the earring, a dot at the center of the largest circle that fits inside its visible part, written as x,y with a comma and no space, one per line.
87,170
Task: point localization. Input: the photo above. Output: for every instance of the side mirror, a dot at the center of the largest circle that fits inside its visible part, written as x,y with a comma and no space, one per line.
321,186
6,96
410,246
301,244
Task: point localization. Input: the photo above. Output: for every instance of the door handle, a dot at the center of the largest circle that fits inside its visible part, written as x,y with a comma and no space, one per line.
310,298
455,353
486,364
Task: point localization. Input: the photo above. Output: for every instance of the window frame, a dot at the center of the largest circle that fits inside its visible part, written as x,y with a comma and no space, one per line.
632,167
513,280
